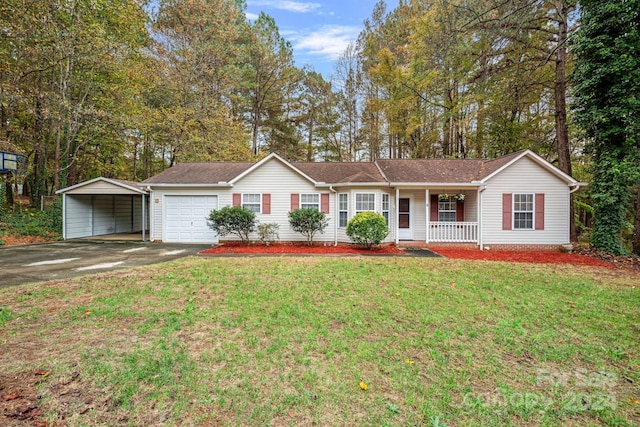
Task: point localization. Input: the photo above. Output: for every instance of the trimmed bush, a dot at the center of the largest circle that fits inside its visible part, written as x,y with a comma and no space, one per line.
235,220
308,221
367,229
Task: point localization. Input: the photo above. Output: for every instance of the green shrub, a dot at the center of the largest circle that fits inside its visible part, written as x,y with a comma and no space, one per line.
268,233
235,220
308,221
367,229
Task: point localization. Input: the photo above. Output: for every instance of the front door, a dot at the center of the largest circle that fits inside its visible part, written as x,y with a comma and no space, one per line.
405,228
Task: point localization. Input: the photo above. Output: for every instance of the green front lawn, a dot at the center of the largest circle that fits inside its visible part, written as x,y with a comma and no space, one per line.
293,341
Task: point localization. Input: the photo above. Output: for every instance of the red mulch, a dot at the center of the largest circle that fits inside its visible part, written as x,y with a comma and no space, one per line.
513,256
299,248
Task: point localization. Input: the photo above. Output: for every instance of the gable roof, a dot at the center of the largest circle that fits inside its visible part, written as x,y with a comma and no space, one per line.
103,185
282,161
380,172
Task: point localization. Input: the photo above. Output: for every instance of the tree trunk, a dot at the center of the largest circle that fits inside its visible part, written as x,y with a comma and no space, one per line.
560,92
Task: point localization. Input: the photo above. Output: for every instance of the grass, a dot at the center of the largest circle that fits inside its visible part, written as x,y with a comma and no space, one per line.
288,341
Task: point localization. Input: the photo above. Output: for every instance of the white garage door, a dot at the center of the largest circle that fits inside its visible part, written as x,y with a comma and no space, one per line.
185,219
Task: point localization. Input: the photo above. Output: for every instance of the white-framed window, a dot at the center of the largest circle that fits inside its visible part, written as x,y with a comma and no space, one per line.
252,202
446,208
386,206
310,201
523,211
365,202
343,209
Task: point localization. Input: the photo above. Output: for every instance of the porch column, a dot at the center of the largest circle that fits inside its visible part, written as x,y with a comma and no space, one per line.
397,215
480,221
427,214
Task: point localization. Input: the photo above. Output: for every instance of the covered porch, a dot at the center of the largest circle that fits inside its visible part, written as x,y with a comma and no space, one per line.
438,215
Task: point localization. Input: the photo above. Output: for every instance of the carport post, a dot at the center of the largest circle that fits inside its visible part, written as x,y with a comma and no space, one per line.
144,217
64,216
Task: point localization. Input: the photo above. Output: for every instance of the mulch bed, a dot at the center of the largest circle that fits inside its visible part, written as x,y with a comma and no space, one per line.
301,249
583,256
516,256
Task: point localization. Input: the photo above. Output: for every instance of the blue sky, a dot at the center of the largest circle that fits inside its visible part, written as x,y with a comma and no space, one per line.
320,30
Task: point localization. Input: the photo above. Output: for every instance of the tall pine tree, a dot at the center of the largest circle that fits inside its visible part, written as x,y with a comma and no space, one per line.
607,91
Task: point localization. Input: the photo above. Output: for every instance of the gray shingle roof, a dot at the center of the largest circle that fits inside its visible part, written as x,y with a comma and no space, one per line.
394,170
200,173
333,173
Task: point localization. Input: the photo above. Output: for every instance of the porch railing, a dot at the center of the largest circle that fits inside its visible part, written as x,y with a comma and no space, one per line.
453,231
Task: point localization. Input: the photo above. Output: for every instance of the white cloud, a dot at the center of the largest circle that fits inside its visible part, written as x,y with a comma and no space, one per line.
288,5
329,42
252,16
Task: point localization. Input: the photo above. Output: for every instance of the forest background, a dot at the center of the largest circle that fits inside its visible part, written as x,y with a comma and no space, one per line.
122,89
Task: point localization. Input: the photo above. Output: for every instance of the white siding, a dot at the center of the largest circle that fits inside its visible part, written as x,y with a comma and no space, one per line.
526,176
78,216
280,181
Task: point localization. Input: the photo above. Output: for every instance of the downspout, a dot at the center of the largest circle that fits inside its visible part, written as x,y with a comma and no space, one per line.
575,188
335,218
397,214
427,215
480,217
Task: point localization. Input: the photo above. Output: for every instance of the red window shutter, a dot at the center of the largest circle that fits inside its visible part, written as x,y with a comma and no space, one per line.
539,211
237,199
324,203
295,201
434,208
460,211
506,211
266,204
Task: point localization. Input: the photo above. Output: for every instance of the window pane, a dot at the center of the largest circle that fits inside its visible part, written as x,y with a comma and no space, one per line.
310,201
523,220
446,209
445,216
343,208
365,202
251,202
344,202
523,211
343,219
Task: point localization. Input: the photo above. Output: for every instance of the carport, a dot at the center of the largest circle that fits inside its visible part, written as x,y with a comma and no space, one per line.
103,206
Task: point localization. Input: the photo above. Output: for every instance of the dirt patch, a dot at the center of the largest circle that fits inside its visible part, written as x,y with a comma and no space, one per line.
19,399
301,249
24,240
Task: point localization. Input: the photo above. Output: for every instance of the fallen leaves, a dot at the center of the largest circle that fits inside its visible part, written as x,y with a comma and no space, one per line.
8,397
44,374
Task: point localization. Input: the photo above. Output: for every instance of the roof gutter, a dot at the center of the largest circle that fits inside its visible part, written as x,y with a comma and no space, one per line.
437,184
216,185
575,187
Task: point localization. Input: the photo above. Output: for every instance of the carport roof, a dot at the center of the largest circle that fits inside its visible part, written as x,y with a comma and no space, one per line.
103,185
